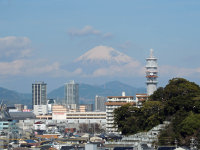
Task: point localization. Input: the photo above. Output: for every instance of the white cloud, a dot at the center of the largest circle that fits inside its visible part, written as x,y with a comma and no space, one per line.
15,60
88,30
12,47
133,69
107,35
125,45
27,67
178,71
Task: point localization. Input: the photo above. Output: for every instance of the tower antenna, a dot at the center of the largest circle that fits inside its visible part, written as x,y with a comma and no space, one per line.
151,73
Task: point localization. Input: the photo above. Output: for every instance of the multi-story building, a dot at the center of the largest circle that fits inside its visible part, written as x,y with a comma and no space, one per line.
82,108
39,97
100,103
50,103
112,103
151,73
86,117
59,112
39,93
71,95
140,99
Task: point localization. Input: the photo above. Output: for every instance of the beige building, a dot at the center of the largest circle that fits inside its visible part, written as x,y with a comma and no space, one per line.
59,112
140,98
112,103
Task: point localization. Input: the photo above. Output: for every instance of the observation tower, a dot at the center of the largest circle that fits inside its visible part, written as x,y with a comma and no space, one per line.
151,73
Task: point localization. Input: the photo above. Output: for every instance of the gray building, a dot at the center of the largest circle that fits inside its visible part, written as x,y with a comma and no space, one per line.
39,98
100,103
72,94
39,93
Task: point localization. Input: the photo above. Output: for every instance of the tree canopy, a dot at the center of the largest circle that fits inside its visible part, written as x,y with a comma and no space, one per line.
178,102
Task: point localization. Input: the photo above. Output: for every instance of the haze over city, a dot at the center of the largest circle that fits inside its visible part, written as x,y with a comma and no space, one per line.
97,41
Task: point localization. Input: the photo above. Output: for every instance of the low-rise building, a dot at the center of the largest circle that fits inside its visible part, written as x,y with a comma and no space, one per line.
59,112
86,117
140,98
40,109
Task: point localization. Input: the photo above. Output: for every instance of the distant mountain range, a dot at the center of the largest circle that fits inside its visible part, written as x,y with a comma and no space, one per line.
10,97
87,93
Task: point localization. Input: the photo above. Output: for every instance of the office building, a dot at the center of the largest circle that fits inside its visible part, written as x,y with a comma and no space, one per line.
100,103
39,98
151,73
72,95
39,93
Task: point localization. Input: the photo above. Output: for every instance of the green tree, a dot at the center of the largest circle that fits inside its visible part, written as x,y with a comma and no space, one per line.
178,102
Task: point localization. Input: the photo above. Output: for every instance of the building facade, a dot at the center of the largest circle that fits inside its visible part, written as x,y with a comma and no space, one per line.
100,103
151,73
59,112
39,93
140,99
71,95
39,98
40,109
112,103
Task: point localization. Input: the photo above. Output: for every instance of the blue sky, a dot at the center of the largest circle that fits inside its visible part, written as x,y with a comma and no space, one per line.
37,38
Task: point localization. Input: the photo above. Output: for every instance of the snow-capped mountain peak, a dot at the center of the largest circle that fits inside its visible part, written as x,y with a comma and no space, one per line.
104,53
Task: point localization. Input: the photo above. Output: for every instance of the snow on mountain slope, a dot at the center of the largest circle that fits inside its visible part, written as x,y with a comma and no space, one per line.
104,53
102,61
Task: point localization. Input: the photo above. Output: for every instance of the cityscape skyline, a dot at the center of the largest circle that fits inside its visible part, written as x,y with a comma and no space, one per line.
42,45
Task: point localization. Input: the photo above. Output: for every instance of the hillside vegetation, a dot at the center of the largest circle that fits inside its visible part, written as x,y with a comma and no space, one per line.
178,102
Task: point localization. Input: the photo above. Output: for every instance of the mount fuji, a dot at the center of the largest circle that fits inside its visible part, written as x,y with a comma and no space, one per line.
104,54
102,61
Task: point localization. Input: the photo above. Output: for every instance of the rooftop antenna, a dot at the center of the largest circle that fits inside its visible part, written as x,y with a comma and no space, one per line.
151,53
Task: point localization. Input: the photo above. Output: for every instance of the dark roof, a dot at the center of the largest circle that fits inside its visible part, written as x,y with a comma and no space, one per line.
123,148
67,148
166,148
30,141
146,147
22,115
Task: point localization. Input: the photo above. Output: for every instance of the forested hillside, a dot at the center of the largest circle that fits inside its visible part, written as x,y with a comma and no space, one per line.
178,102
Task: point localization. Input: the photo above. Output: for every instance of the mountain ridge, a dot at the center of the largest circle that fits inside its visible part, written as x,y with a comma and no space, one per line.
87,93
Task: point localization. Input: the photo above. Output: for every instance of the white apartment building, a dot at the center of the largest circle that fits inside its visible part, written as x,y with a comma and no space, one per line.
59,112
86,117
112,103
